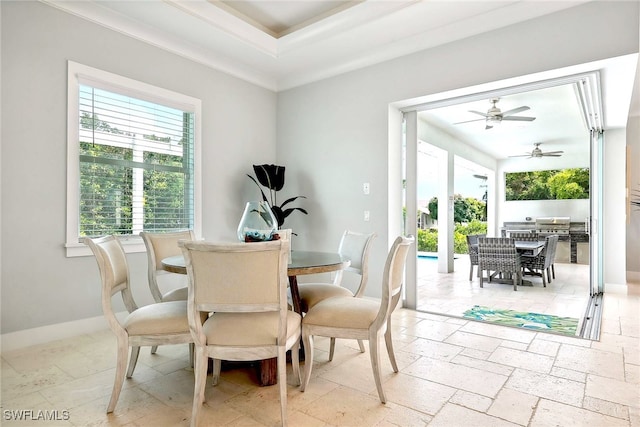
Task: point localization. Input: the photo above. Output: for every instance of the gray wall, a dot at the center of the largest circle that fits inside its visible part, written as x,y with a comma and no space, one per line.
337,130
40,286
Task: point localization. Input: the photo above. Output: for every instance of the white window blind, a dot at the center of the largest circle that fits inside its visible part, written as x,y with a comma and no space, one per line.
136,163
135,160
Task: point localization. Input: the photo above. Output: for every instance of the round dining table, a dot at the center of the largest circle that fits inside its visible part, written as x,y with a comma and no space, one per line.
300,263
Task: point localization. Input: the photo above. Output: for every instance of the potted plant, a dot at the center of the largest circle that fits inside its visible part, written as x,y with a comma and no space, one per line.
272,178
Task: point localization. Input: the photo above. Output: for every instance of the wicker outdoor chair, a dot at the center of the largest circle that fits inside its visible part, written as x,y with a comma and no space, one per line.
472,247
499,254
525,236
543,262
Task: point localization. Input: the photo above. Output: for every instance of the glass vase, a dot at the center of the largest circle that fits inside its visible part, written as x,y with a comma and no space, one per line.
257,223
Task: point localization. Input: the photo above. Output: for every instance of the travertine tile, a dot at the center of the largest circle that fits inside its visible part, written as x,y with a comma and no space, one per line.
607,408
424,396
506,333
433,349
348,407
548,348
513,406
551,413
455,415
471,362
613,390
591,361
471,400
474,341
457,376
522,359
547,386
434,330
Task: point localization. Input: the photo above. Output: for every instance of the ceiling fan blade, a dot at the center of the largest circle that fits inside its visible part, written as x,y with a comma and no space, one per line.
523,155
515,110
478,112
519,118
552,153
469,121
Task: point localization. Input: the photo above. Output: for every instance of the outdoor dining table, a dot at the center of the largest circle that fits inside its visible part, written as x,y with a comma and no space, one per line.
526,248
301,263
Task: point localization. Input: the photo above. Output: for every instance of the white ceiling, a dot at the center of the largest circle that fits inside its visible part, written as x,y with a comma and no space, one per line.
283,44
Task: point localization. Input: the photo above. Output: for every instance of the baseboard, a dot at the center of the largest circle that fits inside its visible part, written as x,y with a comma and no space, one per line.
45,334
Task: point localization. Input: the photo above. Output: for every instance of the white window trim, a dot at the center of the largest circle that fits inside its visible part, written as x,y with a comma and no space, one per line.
109,81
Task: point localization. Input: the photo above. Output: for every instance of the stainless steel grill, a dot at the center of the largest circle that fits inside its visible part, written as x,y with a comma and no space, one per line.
553,225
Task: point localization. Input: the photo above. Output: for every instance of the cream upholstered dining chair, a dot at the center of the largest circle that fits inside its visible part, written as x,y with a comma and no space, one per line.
160,246
244,287
159,323
360,318
499,254
355,247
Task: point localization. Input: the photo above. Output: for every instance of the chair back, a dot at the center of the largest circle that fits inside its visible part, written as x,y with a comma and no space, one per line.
236,278
355,247
393,277
472,246
160,246
550,250
114,274
524,236
498,254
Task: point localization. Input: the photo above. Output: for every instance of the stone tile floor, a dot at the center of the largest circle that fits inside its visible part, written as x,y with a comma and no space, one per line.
453,372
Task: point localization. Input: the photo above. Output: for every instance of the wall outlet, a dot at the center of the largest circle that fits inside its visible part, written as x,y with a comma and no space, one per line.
365,188
366,215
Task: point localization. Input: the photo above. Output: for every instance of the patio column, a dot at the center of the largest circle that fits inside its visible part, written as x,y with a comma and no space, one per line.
445,212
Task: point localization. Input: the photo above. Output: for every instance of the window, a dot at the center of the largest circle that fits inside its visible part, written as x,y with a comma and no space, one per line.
132,159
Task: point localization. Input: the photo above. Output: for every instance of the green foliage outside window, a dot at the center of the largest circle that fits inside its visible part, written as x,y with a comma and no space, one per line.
547,185
428,239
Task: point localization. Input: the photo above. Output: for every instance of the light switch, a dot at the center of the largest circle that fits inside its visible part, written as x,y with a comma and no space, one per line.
365,188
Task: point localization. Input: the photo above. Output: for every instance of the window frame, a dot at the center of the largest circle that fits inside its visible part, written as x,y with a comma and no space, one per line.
78,73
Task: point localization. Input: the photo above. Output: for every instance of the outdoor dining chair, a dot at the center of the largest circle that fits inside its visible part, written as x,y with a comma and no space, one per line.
499,255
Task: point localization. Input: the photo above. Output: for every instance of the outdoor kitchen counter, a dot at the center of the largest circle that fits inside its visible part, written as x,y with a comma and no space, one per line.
577,234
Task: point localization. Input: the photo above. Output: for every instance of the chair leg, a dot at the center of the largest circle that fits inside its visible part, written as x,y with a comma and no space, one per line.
389,343
154,348
307,339
549,274
481,278
295,361
191,353
217,367
553,271
332,348
135,351
282,383
375,365
471,272
544,279
121,366
200,373
361,345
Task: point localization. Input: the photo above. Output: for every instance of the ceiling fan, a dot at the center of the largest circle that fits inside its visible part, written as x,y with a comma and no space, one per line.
537,153
495,116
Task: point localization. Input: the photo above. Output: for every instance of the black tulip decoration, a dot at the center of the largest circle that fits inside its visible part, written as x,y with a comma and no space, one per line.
272,178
